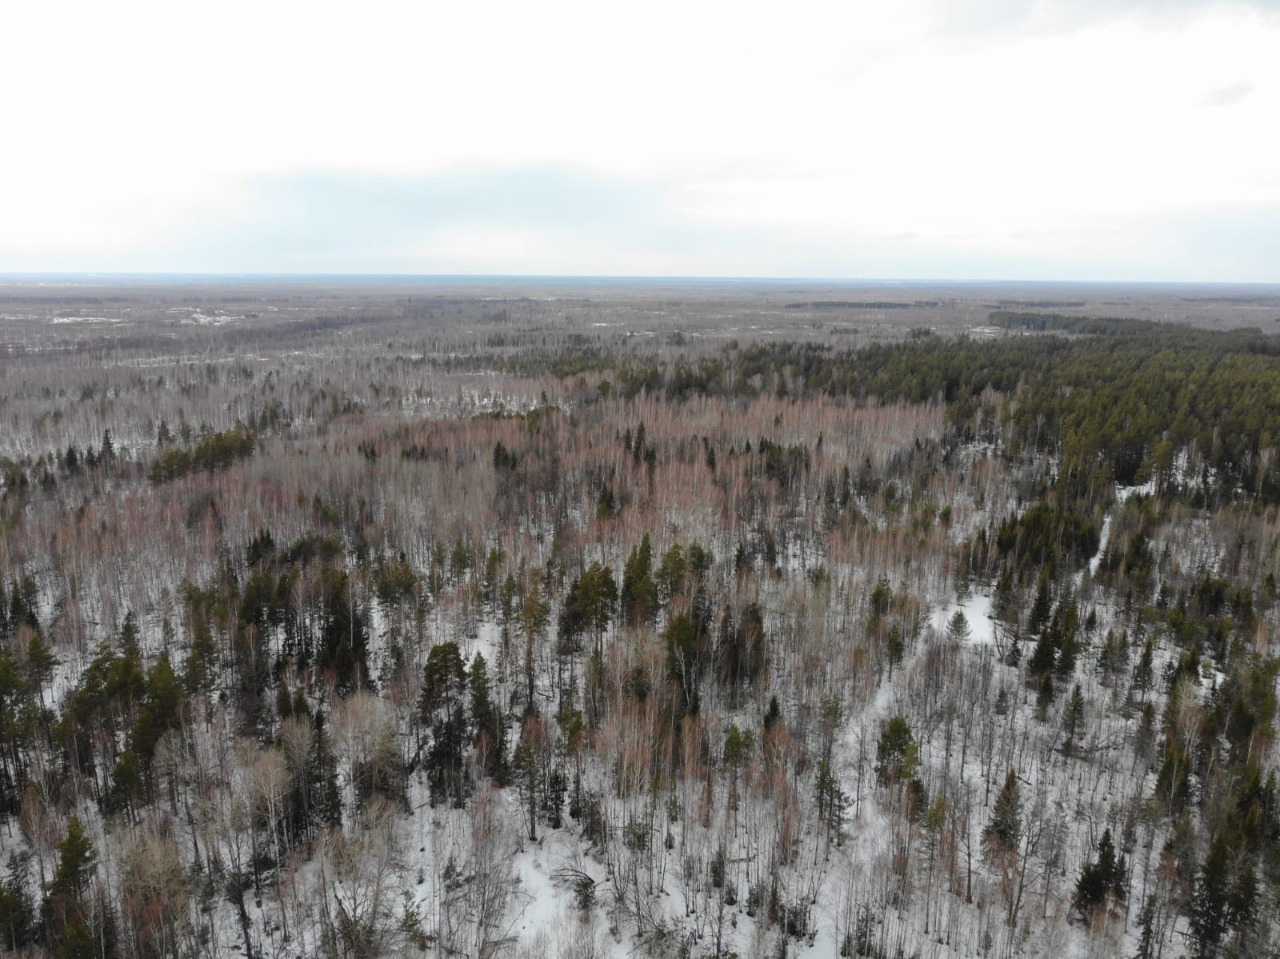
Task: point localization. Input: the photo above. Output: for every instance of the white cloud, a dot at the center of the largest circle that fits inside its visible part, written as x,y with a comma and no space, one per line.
1022,130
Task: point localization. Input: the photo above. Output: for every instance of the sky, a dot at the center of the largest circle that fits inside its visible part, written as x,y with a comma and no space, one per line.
1077,140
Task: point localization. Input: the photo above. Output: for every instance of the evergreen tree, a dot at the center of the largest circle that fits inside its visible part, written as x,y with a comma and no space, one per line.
742,649
441,707
1066,631
1004,832
1242,909
894,647
1143,672
684,662
126,681
1146,930
1209,910
284,702
772,715
1043,658
39,662
1113,657
343,633
1072,720
160,711
17,915
638,600
1042,605
958,630
1100,878
881,598
1004,605
66,907
126,784
528,776
589,605
896,754
322,779
533,618
490,736
1044,696
24,605
832,801
671,573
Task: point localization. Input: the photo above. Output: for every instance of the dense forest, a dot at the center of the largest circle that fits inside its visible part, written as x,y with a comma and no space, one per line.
377,621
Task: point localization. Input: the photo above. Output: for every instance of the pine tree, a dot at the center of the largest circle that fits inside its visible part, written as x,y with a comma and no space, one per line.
1143,673
1042,605
1113,656
638,600
741,650
1044,696
533,618
1208,911
1066,630
684,662
1004,606
160,711
1072,719
772,715
321,800
343,633
17,915
1242,908
442,708
896,754
528,775
671,573
490,738
958,630
589,605
1004,832
1100,878
126,784
65,906
894,648
832,801
1043,658
1146,930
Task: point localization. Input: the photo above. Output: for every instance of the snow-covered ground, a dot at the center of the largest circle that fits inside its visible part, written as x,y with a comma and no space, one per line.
976,608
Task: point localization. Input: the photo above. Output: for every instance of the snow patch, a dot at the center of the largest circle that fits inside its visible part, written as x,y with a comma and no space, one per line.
977,610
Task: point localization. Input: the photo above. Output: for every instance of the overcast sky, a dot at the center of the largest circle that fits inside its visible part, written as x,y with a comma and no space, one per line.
979,139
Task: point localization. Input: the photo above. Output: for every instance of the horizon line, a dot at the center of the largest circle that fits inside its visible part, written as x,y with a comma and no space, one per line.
82,275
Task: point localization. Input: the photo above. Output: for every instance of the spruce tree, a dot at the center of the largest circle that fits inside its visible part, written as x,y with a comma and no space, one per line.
1004,832
958,630
17,914
442,708
322,780
1100,878
639,597
1072,720
896,754
1209,900
490,738
66,911
1146,930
